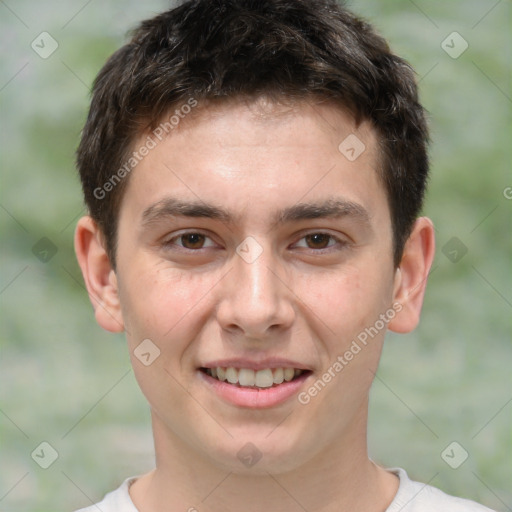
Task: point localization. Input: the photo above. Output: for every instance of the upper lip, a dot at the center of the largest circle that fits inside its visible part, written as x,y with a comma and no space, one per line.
255,365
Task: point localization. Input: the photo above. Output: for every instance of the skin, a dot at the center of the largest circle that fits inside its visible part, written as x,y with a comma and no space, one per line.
304,299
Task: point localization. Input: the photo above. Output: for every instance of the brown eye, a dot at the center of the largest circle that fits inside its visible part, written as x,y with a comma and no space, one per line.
321,242
318,240
192,240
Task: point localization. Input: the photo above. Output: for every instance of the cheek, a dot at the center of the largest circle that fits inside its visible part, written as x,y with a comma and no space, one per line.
163,304
349,304
168,307
348,301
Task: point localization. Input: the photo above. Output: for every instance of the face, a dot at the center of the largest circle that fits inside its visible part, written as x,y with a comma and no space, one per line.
257,259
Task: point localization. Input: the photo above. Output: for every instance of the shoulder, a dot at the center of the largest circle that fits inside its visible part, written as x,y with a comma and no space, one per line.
417,497
115,501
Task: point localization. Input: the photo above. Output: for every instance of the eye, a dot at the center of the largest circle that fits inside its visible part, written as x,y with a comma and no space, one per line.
194,241
190,241
321,241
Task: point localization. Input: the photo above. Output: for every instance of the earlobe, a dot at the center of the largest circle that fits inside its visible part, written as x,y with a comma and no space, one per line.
99,276
411,276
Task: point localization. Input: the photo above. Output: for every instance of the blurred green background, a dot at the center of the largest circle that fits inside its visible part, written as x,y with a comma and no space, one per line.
67,382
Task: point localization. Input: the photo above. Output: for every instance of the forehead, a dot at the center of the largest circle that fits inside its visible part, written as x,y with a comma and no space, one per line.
326,121
233,153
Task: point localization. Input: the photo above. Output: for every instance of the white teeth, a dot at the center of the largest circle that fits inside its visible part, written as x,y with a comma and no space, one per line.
264,378
221,374
232,375
249,378
278,376
246,377
288,374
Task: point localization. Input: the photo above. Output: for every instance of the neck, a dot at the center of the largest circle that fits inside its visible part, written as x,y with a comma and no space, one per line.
340,478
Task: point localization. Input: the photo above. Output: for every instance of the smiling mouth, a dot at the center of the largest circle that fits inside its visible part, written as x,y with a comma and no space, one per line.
248,378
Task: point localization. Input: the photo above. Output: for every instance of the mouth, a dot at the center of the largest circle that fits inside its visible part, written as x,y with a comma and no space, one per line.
255,379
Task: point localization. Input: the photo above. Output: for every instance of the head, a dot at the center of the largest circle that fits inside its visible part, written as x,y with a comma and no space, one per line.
275,118
204,52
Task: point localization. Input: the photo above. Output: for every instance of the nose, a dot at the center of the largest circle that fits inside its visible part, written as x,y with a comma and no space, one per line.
256,301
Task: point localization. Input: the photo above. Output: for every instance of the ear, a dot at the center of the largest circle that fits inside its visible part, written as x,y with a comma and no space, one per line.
411,276
99,276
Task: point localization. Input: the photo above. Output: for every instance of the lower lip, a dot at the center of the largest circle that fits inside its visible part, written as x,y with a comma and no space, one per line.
255,398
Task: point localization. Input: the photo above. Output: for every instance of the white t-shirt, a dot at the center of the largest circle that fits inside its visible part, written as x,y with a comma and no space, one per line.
411,497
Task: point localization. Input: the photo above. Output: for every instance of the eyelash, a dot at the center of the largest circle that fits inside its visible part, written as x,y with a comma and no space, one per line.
168,244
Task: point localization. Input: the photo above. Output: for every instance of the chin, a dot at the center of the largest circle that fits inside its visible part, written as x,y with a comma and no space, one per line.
259,454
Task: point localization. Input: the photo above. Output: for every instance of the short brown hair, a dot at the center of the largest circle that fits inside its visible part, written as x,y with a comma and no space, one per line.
217,50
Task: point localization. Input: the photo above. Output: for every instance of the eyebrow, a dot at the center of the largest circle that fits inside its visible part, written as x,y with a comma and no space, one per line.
329,208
